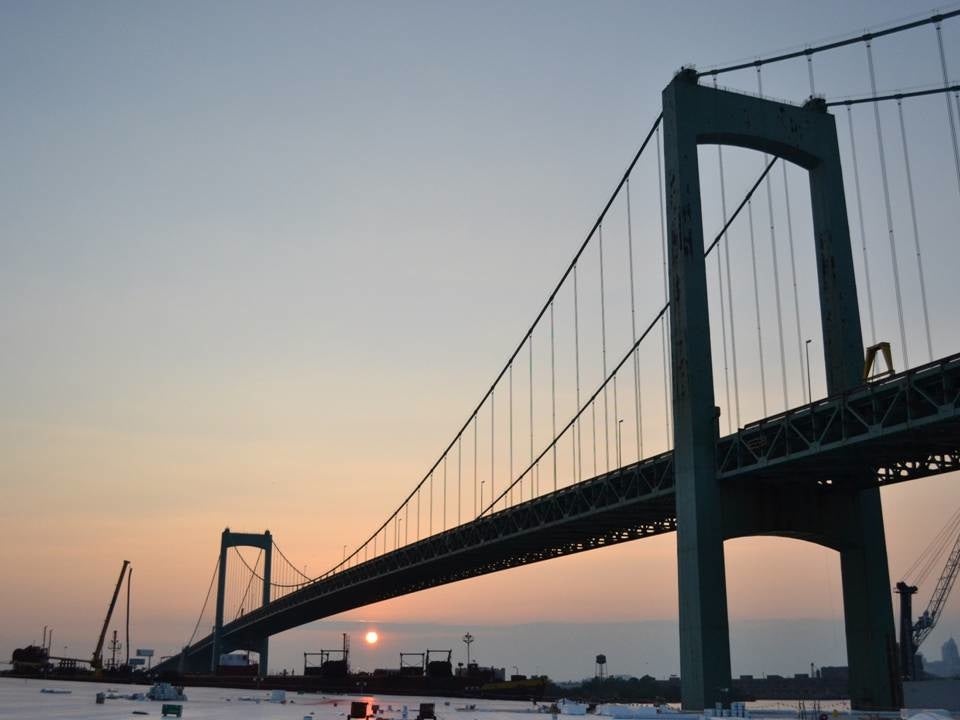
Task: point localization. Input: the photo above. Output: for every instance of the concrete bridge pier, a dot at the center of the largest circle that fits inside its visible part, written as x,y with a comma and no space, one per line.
230,539
847,518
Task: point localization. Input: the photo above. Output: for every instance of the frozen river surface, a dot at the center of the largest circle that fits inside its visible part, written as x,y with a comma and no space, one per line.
23,700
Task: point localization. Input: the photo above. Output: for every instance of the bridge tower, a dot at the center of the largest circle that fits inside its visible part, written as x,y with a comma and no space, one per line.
232,539
844,515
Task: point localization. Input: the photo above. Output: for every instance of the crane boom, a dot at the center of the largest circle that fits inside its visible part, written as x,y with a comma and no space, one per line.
926,622
97,661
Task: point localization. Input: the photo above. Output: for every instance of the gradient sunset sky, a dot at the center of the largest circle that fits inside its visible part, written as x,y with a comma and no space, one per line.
258,261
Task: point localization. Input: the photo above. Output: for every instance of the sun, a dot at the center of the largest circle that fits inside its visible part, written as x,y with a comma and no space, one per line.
371,637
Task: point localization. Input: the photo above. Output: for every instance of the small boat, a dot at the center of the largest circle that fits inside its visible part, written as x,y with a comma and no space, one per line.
55,691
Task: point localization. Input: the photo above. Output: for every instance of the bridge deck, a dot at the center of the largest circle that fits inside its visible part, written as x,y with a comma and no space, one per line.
863,436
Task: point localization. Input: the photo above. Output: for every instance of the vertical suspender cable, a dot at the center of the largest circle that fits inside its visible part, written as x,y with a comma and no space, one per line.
444,492
793,277
459,478
886,201
776,269
637,400
723,309
493,447
729,308
666,298
946,83
593,422
418,511
863,233
603,349
510,478
475,448
406,522
916,232
576,355
553,393
809,72
431,504
756,301
530,345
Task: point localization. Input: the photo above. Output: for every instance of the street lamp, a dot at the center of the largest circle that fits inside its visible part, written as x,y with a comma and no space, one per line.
468,640
809,393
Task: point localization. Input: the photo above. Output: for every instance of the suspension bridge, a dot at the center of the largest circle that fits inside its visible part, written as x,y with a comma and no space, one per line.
606,424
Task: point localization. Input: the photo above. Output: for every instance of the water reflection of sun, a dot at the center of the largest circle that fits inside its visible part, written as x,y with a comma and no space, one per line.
371,637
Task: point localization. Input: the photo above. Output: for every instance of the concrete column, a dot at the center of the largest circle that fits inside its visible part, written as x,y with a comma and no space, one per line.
867,603
221,589
868,608
704,632
264,651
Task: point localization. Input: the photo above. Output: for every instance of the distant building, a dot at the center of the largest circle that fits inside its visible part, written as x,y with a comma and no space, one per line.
949,664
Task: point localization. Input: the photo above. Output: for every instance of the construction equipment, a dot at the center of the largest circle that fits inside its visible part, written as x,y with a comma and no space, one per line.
97,661
913,633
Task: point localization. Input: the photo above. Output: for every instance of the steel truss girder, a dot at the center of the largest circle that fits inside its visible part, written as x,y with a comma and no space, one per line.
901,428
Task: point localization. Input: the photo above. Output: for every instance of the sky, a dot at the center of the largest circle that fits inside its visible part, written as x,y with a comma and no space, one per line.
260,261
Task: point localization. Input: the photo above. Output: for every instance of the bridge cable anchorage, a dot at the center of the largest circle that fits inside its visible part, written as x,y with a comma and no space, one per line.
553,392
946,84
776,270
809,55
916,232
578,463
756,301
851,40
637,398
666,296
863,234
793,276
603,351
889,212
723,309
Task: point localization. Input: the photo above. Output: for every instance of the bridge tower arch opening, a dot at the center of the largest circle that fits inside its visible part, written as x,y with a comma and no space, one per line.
228,540
844,514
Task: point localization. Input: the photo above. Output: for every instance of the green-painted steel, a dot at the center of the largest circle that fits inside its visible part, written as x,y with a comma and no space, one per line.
261,644
694,115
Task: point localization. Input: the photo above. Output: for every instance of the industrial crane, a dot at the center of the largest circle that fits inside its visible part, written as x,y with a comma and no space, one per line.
912,634
97,661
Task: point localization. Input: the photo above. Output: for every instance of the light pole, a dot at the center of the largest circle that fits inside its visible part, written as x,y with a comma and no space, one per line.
619,443
468,640
809,393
